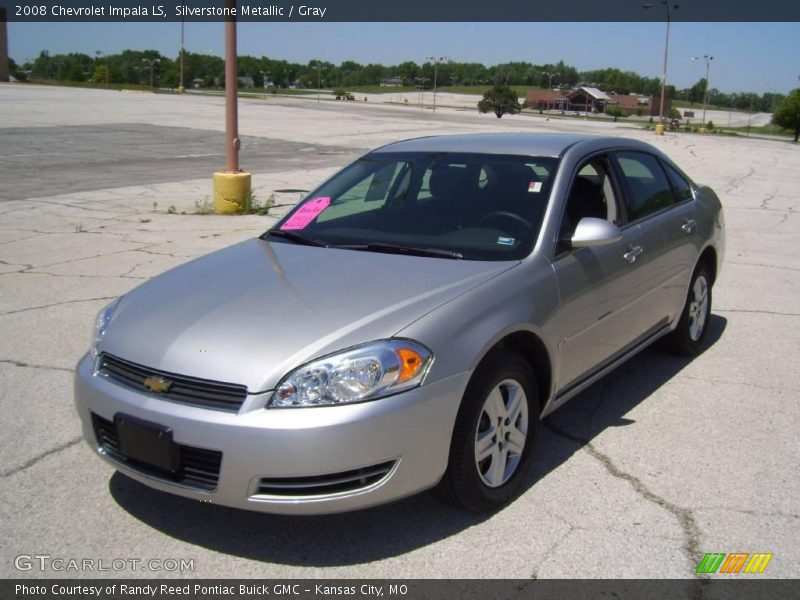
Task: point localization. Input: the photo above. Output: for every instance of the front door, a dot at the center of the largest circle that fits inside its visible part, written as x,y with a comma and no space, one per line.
602,289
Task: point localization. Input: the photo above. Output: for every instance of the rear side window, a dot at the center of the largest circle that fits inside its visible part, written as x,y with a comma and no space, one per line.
683,189
648,190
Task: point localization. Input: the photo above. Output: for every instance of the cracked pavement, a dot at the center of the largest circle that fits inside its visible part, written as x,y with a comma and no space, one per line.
655,465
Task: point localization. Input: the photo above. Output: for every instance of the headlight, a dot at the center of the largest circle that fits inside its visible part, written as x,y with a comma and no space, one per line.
100,324
362,373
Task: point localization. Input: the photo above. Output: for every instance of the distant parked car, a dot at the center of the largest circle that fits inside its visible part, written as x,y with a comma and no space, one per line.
405,327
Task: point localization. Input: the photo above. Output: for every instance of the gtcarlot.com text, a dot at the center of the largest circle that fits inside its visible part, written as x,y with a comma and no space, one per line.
47,562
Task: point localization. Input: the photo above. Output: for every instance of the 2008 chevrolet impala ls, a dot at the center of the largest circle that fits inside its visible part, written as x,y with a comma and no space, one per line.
405,327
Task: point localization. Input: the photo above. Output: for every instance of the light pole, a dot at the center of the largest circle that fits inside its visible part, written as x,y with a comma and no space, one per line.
669,7
181,87
708,60
421,84
151,62
435,60
319,79
550,82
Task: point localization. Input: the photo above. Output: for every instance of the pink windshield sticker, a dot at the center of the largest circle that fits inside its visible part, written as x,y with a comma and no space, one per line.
307,213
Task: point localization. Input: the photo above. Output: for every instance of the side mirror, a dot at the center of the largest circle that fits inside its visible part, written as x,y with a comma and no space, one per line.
595,232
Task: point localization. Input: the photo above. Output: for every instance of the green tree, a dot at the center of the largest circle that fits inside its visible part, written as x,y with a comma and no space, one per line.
100,73
615,111
500,100
787,113
698,91
407,70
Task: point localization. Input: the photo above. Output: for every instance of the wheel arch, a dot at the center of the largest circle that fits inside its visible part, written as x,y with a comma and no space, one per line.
709,258
532,349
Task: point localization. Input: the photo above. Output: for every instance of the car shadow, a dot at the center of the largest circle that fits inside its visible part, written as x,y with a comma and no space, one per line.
393,529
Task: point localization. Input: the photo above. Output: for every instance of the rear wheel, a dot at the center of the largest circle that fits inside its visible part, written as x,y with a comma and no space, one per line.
692,329
494,435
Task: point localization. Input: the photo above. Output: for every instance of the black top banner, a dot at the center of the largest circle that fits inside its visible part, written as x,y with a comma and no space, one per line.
402,11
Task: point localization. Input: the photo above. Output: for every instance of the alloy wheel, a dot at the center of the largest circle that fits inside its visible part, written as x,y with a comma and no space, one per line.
698,308
501,433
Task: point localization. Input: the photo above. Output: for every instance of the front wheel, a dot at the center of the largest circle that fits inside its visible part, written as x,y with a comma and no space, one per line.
494,435
692,329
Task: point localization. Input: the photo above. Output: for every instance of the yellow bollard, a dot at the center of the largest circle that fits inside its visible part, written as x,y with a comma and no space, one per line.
660,129
231,193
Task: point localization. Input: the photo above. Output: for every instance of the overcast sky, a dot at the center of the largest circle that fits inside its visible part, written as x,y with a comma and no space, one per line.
755,57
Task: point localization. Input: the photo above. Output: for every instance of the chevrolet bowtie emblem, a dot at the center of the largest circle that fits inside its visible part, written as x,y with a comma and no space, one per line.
159,385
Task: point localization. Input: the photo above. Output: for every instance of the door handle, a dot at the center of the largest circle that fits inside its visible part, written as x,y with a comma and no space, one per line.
632,253
688,225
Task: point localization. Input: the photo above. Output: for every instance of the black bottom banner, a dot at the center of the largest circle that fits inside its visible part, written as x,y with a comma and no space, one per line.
392,589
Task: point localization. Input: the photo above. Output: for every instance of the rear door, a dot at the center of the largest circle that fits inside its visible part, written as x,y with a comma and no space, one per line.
663,209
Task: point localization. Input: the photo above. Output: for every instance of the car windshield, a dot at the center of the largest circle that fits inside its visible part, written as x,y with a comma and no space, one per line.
470,206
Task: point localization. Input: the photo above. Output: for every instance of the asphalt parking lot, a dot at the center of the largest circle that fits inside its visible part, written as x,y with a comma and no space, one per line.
641,475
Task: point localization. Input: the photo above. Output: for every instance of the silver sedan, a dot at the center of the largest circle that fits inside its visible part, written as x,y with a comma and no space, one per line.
405,327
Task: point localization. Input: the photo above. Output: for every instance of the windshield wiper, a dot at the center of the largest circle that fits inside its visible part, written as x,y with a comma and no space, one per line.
401,249
295,237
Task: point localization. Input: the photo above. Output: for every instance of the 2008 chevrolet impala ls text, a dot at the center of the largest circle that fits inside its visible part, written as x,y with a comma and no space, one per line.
406,326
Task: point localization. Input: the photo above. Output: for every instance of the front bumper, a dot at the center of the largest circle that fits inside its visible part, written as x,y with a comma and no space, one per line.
408,434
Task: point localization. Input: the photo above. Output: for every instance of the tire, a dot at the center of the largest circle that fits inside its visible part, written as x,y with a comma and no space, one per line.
503,382
690,335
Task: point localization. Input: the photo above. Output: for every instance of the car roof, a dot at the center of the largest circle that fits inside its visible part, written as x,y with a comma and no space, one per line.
523,144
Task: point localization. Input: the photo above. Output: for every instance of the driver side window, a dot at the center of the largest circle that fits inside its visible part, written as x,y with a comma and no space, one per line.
591,195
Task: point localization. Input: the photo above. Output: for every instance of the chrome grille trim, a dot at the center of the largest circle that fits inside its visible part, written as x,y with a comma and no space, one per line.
203,393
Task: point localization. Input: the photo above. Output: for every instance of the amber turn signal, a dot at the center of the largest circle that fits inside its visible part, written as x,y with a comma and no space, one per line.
410,363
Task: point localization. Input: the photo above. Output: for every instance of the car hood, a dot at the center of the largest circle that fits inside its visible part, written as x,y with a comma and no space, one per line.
250,313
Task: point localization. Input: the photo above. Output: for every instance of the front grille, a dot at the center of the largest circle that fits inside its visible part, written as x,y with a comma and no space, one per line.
323,485
199,466
187,390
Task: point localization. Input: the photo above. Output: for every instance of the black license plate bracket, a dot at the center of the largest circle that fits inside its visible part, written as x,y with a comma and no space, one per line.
148,443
